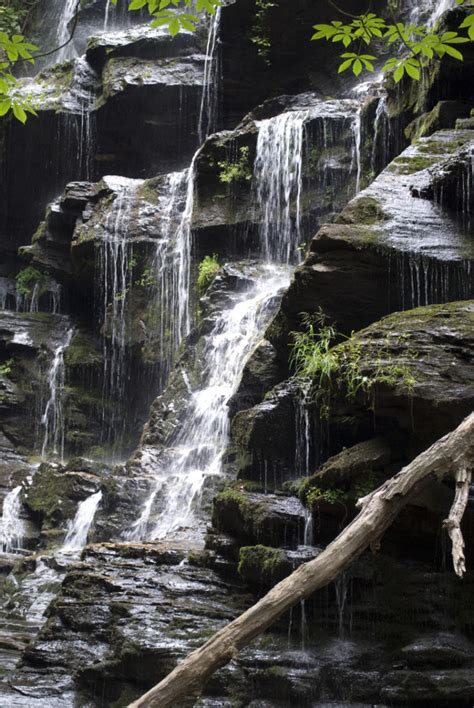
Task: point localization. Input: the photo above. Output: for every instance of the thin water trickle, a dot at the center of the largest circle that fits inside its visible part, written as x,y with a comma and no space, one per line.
208,113
357,129
341,586
11,524
106,16
303,432
53,418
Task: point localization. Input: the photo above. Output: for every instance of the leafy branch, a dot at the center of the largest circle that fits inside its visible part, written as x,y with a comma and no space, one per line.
414,45
164,12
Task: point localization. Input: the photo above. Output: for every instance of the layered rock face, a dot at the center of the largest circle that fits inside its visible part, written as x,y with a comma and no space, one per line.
149,400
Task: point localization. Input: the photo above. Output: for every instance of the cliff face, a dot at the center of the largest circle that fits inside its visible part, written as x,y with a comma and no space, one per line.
176,214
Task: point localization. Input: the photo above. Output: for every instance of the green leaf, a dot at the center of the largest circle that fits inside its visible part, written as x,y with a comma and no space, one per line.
398,73
5,106
19,113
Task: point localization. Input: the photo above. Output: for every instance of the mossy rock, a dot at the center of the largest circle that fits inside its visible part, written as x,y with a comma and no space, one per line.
362,210
259,518
262,566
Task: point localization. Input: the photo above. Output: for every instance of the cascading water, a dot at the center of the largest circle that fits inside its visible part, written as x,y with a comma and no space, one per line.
78,531
278,184
208,114
196,452
53,419
11,524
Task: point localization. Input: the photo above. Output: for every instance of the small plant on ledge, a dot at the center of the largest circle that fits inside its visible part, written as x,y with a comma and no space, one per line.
208,269
239,171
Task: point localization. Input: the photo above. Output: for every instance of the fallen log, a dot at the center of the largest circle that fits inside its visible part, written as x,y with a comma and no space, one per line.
453,456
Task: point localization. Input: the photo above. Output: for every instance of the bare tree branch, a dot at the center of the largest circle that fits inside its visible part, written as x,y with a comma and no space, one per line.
453,522
453,456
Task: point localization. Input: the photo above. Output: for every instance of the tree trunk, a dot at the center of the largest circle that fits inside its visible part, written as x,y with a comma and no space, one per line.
453,456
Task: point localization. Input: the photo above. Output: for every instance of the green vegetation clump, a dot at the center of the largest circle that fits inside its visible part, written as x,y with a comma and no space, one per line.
239,171
6,367
259,34
147,278
14,13
26,280
351,365
208,269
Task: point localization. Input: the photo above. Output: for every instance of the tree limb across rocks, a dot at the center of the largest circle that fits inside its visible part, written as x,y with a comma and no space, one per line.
452,456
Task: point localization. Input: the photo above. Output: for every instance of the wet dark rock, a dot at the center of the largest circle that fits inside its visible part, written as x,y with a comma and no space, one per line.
439,650
264,518
262,372
263,438
443,115
433,346
389,251
142,42
262,567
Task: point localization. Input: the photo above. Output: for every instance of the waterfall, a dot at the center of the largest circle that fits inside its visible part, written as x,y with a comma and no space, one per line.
11,524
63,33
78,531
210,94
169,275
196,452
53,416
171,266
278,184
